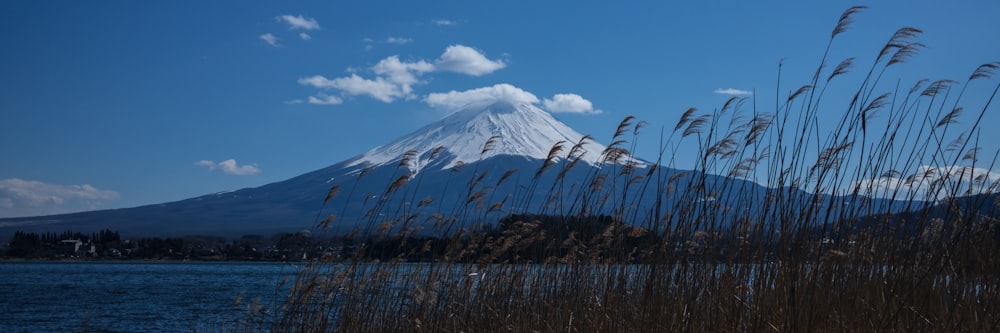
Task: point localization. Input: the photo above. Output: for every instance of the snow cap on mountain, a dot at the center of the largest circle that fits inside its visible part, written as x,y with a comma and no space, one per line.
510,121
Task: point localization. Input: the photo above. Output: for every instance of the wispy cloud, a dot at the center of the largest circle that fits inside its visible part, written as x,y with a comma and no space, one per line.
569,103
299,22
19,197
732,91
324,99
379,88
270,39
444,23
305,36
398,40
501,92
467,60
229,167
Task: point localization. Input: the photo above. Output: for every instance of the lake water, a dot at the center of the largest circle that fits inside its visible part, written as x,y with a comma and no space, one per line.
132,296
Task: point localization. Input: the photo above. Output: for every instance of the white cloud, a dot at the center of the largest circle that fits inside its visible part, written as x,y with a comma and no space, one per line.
299,22
933,183
443,23
453,100
379,89
501,92
398,40
732,91
403,74
229,167
466,60
569,103
270,39
295,101
316,81
20,197
305,36
395,79
324,99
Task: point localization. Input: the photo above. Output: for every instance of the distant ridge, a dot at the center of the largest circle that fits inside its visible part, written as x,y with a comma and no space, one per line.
521,133
485,159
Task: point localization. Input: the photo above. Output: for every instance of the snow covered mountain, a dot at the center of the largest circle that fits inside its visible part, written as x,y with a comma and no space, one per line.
477,165
519,135
520,129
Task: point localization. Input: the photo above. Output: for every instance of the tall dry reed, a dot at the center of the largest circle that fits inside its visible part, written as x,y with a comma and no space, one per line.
826,247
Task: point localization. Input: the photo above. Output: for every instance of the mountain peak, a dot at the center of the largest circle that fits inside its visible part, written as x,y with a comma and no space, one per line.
517,129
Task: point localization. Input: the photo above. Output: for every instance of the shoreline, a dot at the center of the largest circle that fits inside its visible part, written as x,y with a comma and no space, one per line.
110,260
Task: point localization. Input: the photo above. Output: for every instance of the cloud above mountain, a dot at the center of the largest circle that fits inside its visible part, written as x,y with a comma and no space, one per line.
379,88
565,103
19,197
501,92
394,78
569,103
402,74
466,60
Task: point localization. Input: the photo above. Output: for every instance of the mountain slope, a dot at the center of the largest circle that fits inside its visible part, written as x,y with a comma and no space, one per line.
472,167
514,129
519,134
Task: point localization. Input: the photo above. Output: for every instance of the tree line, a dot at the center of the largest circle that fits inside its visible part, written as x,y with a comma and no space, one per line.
514,238
109,244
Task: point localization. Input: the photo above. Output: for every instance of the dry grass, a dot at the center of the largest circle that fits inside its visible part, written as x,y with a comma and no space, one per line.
780,260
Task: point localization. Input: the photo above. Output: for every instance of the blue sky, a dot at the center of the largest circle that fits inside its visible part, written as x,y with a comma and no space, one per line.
124,103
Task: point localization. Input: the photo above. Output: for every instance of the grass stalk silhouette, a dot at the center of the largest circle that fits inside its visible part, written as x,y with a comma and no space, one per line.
886,222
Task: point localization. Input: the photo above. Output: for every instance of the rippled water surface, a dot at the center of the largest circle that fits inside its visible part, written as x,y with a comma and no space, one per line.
131,296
